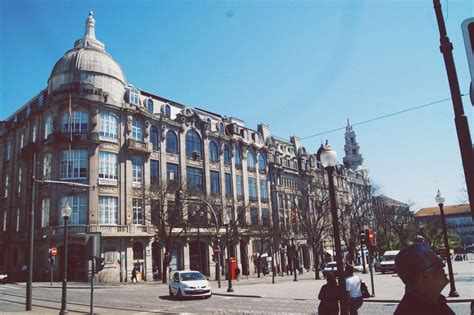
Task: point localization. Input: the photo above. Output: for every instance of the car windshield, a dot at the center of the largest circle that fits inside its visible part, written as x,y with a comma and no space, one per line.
191,276
388,257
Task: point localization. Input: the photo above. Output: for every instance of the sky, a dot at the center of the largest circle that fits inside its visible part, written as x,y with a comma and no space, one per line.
301,67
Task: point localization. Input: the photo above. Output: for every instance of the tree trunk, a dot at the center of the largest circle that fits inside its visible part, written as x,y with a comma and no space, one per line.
316,263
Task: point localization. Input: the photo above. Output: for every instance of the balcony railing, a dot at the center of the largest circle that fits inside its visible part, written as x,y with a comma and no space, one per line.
83,137
104,229
139,146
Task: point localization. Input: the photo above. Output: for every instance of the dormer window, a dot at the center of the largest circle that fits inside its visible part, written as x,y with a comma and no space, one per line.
221,127
167,111
149,105
134,96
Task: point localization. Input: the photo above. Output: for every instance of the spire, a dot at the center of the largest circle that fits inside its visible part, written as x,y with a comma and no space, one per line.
90,26
352,159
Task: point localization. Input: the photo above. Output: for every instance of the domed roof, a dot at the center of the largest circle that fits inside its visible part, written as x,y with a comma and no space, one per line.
88,62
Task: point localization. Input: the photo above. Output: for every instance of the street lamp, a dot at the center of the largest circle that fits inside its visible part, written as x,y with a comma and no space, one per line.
66,213
229,273
328,159
440,201
293,248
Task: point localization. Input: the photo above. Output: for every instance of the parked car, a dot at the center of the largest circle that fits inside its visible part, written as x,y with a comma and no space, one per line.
330,267
189,284
358,268
377,266
3,277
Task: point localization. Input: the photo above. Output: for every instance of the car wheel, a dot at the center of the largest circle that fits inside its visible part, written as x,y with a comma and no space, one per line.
171,292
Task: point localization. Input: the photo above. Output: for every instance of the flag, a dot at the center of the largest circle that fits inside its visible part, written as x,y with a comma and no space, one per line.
70,110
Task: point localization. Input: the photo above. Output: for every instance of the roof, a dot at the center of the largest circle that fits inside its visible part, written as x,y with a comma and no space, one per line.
448,210
391,202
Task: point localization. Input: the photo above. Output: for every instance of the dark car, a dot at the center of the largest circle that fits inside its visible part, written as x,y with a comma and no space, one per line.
330,267
458,257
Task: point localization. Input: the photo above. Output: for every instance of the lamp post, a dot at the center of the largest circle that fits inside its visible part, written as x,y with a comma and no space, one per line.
440,201
293,248
66,212
328,159
229,274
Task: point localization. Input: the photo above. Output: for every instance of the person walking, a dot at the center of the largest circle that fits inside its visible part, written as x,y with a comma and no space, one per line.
134,274
354,293
422,272
329,296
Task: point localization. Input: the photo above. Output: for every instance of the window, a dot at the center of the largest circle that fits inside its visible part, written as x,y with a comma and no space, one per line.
108,166
252,189
149,105
5,220
154,172
47,166
253,216
227,157
48,126
239,186
167,111
171,142
263,191
134,97
78,204
154,138
74,164
193,144
45,212
172,172
137,171
5,193
138,212
17,219
8,151
213,152
229,215
19,180
108,210
228,185
137,130
215,183
22,140
194,177
109,125
265,216
250,160
221,127
33,133
238,158
241,215
79,122
262,163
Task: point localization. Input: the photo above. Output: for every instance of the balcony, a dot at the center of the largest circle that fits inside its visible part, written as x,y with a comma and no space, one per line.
76,137
106,230
138,146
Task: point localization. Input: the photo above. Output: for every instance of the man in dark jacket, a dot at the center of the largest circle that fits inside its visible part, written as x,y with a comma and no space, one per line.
423,274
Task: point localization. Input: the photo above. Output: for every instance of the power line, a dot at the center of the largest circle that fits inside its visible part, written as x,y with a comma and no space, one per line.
382,117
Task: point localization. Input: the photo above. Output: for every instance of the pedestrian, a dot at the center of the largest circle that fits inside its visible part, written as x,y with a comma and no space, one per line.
422,272
329,296
354,293
237,273
134,274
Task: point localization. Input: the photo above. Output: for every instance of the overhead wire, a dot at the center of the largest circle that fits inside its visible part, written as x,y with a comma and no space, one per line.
381,117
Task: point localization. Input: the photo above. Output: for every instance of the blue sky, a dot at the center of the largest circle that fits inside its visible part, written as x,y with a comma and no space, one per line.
302,67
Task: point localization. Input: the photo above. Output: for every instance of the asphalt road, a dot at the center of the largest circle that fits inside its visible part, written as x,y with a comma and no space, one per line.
153,299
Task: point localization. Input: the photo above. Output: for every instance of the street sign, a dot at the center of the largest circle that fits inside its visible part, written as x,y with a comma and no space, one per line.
217,249
54,251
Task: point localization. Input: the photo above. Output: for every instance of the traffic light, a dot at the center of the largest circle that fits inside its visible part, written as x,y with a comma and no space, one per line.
178,198
99,264
467,27
370,236
362,238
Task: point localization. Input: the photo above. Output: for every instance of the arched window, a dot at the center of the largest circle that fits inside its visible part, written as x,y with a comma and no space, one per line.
238,157
227,157
48,126
137,130
167,111
213,152
149,105
134,97
193,144
171,142
262,162
77,123
221,127
154,138
108,125
250,160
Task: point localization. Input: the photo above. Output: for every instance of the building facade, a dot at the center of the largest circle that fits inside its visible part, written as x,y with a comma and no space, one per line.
91,127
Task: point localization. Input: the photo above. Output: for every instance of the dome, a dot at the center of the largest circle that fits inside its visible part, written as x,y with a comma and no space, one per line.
89,63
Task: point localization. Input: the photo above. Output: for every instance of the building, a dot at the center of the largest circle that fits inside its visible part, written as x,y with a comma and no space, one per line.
90,126
458,220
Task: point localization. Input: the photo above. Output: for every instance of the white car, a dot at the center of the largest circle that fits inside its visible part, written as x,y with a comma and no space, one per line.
189,284
3,277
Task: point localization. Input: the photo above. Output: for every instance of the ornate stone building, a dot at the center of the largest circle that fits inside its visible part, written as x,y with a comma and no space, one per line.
91,127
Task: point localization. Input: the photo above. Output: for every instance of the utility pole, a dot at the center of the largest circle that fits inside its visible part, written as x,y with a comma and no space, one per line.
462,126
